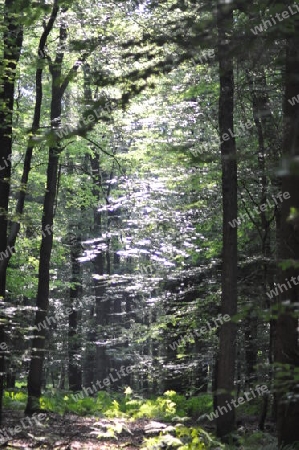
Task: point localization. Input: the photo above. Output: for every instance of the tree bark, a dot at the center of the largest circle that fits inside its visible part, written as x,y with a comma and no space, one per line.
42,300
13,40
227,332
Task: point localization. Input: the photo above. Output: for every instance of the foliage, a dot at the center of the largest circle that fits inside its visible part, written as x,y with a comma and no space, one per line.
119,408
167,407
15,399
186,438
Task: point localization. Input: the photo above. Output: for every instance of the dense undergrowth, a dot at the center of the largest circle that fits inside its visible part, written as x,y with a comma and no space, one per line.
181,416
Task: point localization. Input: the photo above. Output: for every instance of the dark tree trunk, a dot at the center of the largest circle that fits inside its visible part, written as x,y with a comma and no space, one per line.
13,38
15,225
10,380
227,332
287,349
12,44
42,300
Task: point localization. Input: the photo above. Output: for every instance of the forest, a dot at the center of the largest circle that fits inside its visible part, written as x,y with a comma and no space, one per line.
149,224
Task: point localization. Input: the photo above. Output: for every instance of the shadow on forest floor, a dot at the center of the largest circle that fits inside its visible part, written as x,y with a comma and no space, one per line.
73,432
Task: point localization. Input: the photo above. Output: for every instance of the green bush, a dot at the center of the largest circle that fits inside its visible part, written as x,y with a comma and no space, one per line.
184,438
15,399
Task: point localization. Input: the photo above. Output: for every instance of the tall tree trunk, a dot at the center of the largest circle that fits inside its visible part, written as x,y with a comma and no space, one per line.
42,300
15,224
227,332
13,39
59,87
287,349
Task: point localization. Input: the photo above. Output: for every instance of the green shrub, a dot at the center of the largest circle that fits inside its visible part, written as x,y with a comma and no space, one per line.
15,399
185,438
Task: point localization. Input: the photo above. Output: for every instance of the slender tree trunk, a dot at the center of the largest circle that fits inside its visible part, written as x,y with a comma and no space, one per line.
227,332
42,300
15,225
287,348
13,39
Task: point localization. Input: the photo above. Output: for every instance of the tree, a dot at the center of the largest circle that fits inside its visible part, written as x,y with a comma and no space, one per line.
42,300
227,335
12,44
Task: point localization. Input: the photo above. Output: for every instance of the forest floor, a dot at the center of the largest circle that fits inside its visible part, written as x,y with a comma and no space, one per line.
73,432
